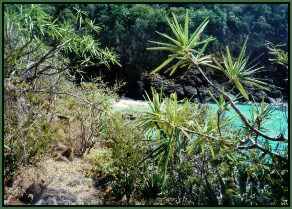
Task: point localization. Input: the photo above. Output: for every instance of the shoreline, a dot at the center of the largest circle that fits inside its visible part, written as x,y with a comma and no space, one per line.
140,102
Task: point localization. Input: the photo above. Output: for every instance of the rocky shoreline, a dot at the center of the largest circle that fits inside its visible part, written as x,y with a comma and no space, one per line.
125,103
191,85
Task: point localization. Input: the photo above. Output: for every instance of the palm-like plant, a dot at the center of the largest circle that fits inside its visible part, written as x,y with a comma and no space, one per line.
168,120
222,107
237,71
188,51
183,47
260,114
279,55
184,51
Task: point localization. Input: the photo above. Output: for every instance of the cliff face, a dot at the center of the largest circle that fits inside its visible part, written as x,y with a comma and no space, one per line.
129,28
187,84
193,86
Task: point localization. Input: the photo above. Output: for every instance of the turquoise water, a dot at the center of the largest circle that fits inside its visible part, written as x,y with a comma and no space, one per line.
276,125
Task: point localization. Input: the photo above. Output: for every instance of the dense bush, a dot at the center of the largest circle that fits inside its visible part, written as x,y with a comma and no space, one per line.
128,150
212,168
177,152
38,91
128,27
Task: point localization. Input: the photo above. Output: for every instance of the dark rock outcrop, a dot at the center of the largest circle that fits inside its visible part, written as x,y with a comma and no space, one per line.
186,83
39,194
33,193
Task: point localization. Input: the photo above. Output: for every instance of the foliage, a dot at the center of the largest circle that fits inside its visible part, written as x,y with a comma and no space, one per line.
168,120
152,186
183,45
279,55
37,87
177,152
36,40
128,27
38,116
219,155
101,161
27,130
213,169
128,150
86,111
238,72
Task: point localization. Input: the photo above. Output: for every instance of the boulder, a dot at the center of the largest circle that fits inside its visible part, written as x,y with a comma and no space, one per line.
190,91
56,197
33,193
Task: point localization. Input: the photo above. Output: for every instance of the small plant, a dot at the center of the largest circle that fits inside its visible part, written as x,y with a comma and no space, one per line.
152,186
169,120
279,56
26,140
101,161
128,150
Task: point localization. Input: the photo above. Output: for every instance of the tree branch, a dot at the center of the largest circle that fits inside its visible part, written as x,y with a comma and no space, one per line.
61,93
41,60
263,149
242,117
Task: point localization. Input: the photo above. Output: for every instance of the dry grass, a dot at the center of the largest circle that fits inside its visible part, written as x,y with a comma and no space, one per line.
69,176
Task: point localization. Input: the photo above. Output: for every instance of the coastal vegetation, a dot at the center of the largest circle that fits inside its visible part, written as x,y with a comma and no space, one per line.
66,68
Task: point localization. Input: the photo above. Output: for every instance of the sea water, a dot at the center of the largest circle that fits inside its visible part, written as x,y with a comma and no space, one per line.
276,125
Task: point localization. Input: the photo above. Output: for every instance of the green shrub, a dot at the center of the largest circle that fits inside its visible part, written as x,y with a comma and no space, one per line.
101,160
152,186
128,151
27,132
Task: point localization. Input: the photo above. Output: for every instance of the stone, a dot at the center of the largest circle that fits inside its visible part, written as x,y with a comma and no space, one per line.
56,197
190,91
33,193
275,93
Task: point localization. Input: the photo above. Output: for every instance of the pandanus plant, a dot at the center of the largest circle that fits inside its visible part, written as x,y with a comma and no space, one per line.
187,51
184,48
279,56
167,120
237,71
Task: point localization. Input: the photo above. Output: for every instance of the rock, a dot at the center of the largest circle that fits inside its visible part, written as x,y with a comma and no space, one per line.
56,197
75,181
103,182
12,200
33,193
190,91
175,88
259,95
66,184
275,93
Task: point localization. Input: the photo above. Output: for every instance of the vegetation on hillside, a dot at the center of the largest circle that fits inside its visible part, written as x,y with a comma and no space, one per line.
178,152
127,28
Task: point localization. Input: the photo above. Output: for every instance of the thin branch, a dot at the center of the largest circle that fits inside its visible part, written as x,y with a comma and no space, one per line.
18,51
48,55
242,117
263,149
60,93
